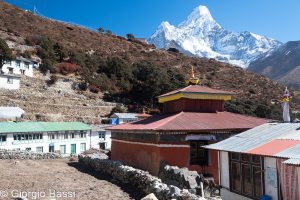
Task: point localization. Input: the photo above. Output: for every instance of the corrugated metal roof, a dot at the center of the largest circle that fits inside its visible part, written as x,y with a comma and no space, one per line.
274,147
275,140
292,161
293,152
124,115
15,127
11,112
192,121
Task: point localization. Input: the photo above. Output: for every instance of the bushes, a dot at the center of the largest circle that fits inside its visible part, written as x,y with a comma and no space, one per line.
53,80
66,68
94,89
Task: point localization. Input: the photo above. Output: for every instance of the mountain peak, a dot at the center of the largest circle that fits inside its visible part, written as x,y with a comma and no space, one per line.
200,12
202,36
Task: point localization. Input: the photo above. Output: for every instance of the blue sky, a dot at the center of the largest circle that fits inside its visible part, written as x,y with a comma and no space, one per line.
278,19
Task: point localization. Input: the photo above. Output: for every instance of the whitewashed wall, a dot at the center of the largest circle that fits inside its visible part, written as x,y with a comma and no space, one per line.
271,185
17,69
4,85
11,144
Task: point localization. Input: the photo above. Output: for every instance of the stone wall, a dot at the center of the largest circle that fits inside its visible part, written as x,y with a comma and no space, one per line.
138,178
181,177
19,154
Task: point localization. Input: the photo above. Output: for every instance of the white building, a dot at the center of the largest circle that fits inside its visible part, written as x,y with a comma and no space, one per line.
261,163
61,137
11,113
9,81
102,137
20,66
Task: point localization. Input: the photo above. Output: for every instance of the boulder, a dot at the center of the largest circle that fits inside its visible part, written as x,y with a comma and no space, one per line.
150,197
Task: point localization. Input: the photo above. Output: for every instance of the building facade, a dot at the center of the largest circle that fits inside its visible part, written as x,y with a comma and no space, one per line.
263,161
61,137
191,117
102,137
20,66
9,81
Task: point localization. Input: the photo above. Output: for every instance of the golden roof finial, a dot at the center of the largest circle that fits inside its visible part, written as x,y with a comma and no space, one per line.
192,80
193,74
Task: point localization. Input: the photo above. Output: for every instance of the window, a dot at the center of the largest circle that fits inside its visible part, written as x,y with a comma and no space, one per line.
26,65
246,175
39,149
18,63
10,70
63,149
2,139
28,149
10,81
82,147
198,155
102,135
30,137
72,135
22,71
82,134
66,135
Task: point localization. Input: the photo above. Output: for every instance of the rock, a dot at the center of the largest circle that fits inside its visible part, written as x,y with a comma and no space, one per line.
150,197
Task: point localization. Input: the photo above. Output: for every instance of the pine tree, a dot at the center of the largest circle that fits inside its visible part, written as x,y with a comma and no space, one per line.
5,53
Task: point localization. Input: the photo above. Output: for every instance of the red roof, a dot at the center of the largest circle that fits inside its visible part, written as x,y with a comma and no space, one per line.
192,121
273,147
196,89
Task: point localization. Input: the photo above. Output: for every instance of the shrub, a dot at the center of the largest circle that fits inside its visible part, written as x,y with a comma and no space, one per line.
130,36
66,68
94,88
53,80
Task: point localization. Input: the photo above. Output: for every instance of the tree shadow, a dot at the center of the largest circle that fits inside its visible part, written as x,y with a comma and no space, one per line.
133,192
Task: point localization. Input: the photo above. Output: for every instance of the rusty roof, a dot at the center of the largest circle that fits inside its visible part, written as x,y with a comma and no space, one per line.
194,122
197,89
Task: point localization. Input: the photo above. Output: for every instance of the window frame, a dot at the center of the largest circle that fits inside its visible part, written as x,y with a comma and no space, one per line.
10,81
197,161
252,164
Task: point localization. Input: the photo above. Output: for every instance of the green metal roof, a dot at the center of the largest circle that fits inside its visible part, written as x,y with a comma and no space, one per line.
23,127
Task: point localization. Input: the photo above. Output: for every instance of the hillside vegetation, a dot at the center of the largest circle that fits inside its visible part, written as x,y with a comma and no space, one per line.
131,71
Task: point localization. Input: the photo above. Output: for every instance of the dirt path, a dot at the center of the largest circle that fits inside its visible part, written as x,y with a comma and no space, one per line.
58,179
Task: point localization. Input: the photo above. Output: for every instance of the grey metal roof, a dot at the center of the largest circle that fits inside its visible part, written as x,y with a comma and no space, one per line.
124,115
292,161
253,138
10,112
292,152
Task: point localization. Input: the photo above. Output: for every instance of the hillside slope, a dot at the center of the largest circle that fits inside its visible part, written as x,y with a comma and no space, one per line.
283,64
251,89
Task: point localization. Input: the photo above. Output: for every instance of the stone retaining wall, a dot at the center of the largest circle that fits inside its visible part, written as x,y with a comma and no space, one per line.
138,178
19,154
181,177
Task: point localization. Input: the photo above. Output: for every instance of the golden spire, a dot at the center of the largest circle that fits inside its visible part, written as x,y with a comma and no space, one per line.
192,80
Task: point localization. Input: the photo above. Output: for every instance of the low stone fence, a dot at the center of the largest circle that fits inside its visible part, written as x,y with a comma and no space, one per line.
6,154
144,181
182,178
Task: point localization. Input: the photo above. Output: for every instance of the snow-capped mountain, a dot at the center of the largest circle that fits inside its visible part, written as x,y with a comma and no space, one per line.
202,36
